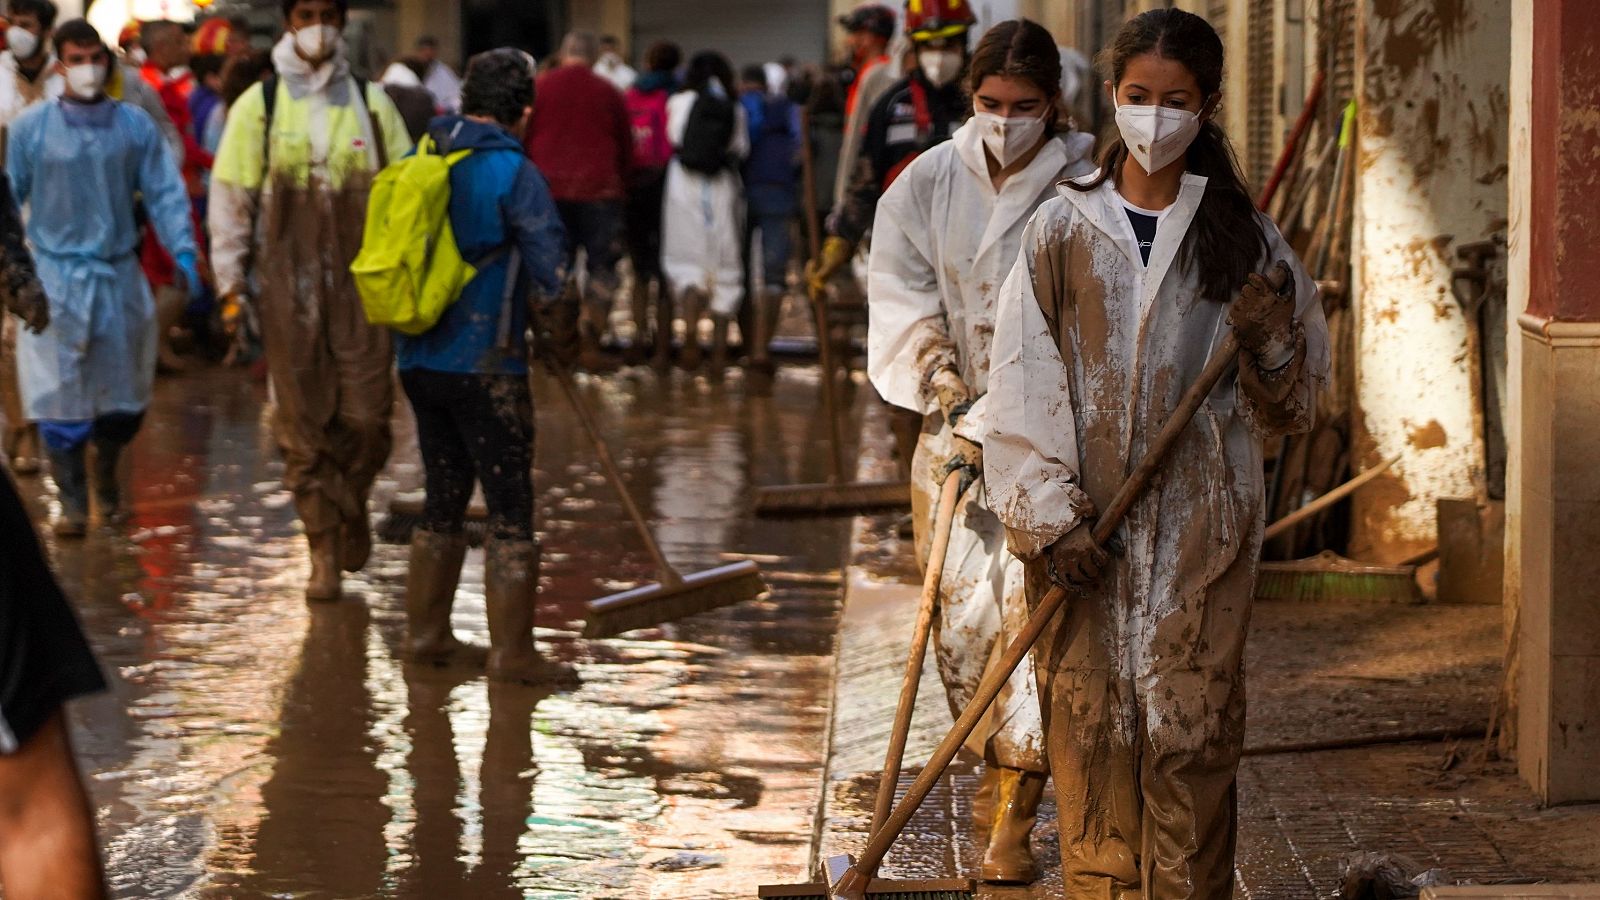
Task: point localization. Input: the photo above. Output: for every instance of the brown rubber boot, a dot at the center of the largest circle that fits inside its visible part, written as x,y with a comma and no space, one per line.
663,329
693,307
355,544
22,449
510,588
983,800
591,358
170,303
324,584
638,350
1009,859
431,583
719,344
769,304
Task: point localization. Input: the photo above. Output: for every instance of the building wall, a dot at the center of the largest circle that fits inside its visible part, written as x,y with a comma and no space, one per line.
1430,176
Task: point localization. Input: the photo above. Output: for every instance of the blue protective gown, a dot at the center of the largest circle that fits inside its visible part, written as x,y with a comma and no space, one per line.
77,169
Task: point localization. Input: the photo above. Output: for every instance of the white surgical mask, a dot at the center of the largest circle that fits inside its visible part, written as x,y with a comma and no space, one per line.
23,43
1157,135
941,67
1008,139
85,81
317,43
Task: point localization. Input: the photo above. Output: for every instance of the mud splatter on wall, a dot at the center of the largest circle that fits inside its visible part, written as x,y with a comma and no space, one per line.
1433,84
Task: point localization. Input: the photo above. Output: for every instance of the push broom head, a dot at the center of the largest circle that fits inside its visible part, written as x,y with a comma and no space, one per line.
1330,576
653,604
842,869
832,499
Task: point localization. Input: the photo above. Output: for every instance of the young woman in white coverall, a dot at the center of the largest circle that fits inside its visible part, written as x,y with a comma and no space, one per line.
946,234
1126,284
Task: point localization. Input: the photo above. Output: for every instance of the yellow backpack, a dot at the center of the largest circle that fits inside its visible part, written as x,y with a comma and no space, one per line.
409,269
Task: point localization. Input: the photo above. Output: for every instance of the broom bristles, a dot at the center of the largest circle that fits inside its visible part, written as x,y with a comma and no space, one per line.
1332,578
654,604
935,889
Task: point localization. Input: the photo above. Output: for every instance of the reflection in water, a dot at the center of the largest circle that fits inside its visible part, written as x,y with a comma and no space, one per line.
254,746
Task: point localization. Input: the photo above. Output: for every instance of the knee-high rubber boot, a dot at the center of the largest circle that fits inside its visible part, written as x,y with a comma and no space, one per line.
1009,859
638,349
107,482
355,542
170,305
693,307
510,587
663,328
324,584
983,800
719,343
69,470
431,583
769,303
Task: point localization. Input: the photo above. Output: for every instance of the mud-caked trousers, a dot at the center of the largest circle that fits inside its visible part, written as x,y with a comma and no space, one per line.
333,395
1144,724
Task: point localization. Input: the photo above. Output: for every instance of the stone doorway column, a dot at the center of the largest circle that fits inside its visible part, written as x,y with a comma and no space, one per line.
1556,489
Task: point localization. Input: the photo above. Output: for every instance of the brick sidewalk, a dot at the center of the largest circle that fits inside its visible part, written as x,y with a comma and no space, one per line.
1317,672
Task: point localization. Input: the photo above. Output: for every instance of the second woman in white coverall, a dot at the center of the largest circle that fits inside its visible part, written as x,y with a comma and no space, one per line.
946,235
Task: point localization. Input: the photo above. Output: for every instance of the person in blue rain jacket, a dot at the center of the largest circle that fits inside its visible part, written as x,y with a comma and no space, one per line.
467,377
81,165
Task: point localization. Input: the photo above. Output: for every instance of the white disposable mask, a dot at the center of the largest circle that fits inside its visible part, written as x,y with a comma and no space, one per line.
1157,135
941,67
317,43
1008,139
85,81
23,43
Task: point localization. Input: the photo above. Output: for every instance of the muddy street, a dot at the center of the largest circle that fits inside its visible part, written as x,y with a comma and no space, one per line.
253,745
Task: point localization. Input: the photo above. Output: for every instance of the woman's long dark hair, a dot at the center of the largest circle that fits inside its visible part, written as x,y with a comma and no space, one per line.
1020,49
1226,241
706,65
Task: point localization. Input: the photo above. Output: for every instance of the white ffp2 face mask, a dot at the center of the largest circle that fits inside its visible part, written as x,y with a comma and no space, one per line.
317,43
1157,135
22,42
1008,139
85,81
941,67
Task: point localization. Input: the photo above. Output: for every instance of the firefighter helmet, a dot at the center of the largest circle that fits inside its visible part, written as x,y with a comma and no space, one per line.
934,20
211,38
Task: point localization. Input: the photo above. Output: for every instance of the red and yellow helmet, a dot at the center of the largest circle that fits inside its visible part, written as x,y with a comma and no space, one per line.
211,38
938,20
129,35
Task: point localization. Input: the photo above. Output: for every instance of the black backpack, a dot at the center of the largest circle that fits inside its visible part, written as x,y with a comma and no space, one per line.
707,135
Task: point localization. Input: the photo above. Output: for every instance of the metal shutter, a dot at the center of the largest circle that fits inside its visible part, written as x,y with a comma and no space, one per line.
746,31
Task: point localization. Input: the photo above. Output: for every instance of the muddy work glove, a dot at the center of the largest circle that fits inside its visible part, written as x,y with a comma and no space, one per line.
836,253
952,394
31,305
1263,317
1076,560
966,461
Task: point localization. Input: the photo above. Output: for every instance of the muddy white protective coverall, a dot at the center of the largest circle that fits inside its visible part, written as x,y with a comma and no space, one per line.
294,221
943,243
1141,674
702,219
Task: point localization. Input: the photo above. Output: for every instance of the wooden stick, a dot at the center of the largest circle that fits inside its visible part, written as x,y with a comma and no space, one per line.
1278,528
808,177
926,608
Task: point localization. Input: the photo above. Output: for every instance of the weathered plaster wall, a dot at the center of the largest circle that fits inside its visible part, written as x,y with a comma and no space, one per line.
1431,175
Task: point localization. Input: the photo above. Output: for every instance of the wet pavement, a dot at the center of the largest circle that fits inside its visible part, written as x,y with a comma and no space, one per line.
254,746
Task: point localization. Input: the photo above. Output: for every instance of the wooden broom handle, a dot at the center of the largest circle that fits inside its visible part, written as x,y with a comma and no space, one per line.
669,575
854,882
926,608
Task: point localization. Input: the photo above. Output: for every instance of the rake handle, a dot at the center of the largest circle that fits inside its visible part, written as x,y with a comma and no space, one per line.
669,575
926,607
830,401
853,885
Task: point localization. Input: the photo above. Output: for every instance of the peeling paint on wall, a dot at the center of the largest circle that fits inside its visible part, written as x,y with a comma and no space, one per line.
1432,175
